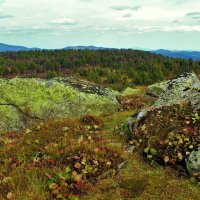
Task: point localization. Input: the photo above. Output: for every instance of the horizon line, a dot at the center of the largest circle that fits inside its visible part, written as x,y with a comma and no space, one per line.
99,46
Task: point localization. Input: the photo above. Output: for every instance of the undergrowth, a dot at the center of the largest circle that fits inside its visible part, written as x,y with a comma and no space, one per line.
89,159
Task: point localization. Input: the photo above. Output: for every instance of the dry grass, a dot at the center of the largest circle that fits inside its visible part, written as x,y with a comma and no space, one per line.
27,180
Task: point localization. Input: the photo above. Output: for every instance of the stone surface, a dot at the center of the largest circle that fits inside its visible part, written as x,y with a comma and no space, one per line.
130,91
156,89
193,162
23,101
173,89
183,88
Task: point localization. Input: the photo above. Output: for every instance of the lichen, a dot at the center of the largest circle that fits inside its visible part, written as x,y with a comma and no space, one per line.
32,98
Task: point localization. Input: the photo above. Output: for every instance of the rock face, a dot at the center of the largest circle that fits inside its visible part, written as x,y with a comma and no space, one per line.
172,124
156,89
184,88
23,101
174,90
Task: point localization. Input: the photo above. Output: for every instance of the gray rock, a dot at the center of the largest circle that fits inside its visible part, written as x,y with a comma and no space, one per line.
193,162
183,88
156,89
49,84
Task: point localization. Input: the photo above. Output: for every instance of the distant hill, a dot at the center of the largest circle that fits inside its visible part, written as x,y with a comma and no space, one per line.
195,55
6,48
87,48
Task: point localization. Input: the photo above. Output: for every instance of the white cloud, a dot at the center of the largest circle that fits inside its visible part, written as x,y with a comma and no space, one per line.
5,16
65,21
125,7
99,17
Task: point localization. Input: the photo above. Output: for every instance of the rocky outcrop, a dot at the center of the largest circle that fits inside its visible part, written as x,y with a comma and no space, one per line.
174,89
184,88
156,89
169,131
23,101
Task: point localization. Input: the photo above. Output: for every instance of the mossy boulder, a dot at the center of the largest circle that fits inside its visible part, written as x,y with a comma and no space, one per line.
183,88
156,89
131,91
23,101
173,89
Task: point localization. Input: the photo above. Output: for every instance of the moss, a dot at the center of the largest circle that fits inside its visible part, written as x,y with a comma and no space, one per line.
133,187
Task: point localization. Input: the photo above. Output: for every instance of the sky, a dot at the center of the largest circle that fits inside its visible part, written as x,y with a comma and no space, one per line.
139,24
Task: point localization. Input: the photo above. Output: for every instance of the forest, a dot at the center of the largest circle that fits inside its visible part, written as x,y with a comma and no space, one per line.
114,68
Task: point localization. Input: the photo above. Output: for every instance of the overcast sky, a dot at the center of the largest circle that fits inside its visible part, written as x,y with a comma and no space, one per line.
151,24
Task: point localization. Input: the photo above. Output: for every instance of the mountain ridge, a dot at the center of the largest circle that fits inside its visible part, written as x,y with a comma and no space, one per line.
185,54
8,47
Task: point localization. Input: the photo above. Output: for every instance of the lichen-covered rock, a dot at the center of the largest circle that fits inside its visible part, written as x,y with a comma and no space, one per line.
184,88
156,89
193,162
130,91
23,101
174,88
169,131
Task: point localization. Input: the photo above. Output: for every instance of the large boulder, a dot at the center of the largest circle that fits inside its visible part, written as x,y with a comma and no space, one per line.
169,131
173,89
183,88
23,101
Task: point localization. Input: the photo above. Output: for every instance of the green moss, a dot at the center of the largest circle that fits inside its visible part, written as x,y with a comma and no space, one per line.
133,187
131,91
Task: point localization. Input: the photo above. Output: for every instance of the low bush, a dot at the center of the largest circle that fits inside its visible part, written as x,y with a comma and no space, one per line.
168,134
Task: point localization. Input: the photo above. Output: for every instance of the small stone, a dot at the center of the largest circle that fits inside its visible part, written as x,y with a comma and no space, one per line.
65,129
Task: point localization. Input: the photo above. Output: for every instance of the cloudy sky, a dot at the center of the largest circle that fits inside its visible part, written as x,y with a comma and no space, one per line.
150,24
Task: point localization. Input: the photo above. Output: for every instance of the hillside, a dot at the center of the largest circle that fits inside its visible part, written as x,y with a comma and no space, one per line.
13,48
194,55
87,48
114,68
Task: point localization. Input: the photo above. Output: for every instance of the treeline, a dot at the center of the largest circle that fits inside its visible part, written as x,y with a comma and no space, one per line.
115,67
